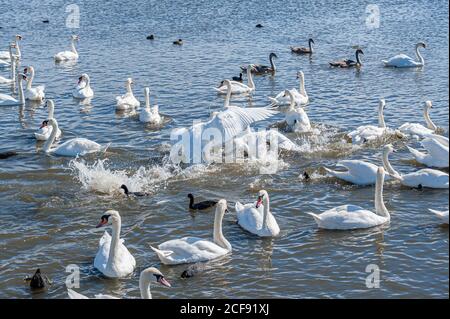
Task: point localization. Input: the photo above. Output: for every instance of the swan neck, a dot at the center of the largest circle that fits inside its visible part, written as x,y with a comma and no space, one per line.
144,287
251,84
381,122
218,237
387,164
228,97
52,137
426,115
74,49
358,61
310,47
419,56
115,238
302,85
51,111
380,208
21,95
266,210
30,80
18,49
128,86
292,102
147,100
272,64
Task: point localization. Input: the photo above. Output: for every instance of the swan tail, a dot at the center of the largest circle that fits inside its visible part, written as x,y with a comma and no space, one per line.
75,295
316,217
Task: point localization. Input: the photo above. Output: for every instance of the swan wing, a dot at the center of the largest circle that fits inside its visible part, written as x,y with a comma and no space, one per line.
441,139
400,60
415,129
349,217
77,146
434,148
101,258
426,178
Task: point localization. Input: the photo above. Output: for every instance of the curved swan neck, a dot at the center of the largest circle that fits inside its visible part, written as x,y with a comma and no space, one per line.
381,122
272,64
310,46
358,61
426,115
115,238
251,84
144,287
51,110
52,137
380,208
292,101
266,209
387,164
218,237
419,56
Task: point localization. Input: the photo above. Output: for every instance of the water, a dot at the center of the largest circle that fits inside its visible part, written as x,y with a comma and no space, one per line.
50,205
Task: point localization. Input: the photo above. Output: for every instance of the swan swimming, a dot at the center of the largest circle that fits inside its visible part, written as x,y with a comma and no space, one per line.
263,69
45,130
113,259
73,147
8,100
427,177
68,55
303,50
437,155
300,97
145,279
347,63
127,101
347,217
194,249
236,86
150,114
257,218
33,94
404,61
7,55
418,130
14,63
296,118
83,89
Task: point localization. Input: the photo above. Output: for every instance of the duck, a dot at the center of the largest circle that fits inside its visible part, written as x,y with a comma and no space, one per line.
404,61
263,69
73,147
429,178
39,281
113,259
194,249
347,63
33,93
200,205
68,55
349,217
178,42
83,89
127,101
45,130
150,115
259,25
146,277
129,193
257,218
300,96
8,100
7,55
237,78
237,87
303,50
437,153
442,215
417,130
296,118
150,37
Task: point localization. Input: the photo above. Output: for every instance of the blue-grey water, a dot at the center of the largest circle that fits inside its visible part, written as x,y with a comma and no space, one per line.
49,205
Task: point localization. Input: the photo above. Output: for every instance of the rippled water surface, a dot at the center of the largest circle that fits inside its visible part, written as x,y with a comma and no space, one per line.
50,205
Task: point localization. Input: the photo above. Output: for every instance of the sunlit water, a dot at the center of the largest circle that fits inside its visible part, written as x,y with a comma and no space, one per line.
50,205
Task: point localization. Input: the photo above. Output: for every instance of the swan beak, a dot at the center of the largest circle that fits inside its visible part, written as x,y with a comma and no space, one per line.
79,79
259,202
164,282
103,221
44,124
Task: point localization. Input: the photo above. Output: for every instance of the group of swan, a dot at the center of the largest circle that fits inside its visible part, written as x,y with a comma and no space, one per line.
300,97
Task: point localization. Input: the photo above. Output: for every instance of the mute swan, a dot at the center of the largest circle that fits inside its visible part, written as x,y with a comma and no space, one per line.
4,80
418,130
404,61
429,178
193,249
34,94
443,215
146,277
127,100
438,138
256,220
113,259
347,63
303,50
149,115
347,217
73,147
369,133
437,155
300,97
263,69
238,87
45,130
12,57
8,100
68,55
200,205
296,118
6,55
83,89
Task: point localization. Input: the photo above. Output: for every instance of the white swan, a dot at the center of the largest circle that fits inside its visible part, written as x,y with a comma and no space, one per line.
113,259
8,100
193,249
296,118
238,87
4,80
83,89
437,155
68,55
73,147
442,215
45,130
262,138
34,94
150,114
7,55
427,177
300,97
438,138
256,220
145,279
353,217
369,133
418,130
127,101
404,61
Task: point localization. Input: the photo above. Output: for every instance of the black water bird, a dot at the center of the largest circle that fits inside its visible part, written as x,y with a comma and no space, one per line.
128,193
201,205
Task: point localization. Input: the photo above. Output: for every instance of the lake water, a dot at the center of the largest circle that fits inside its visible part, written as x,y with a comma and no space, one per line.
50,205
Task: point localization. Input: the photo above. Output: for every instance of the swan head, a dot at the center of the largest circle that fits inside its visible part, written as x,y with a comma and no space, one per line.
44,124
75,37
300,75
49,103
227,83
388,148
428,105
129,81
18,37
311,40
421,44
382,104
110,215
222,206
85,76
152,273
287,93
190,196
272,55
28,69
262,194
125,189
